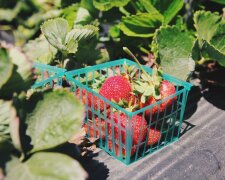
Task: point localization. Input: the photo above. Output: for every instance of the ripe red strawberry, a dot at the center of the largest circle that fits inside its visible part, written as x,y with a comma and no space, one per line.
116,88
139,127
117,150
88,98
99,130
149,101
154,136
166,89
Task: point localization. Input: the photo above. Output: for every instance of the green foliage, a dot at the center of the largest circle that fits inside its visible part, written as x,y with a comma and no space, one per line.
206,24
105,5
146,21
6,116
174,49
6,67
24,17
45,165
168,8
10,14
210,32
140,25
219,1
83,17
39,50
55,31
70,13
54,120
21,77
78,41
51,119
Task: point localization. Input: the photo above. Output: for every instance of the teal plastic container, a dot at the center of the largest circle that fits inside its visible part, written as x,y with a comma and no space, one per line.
47,76
116,138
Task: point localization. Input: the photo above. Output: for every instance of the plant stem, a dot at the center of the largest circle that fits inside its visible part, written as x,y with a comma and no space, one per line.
133,56
124,11
144,50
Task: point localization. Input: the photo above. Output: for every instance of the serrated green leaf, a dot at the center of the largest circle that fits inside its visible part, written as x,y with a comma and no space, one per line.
54,119
39,50
6,67
140,25
82,33
105,5
206,24
212,39
174,51
218,40
55,31
72,46
210,52
21,77
45,165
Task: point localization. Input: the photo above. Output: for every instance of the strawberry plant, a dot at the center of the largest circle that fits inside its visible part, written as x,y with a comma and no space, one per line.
32,126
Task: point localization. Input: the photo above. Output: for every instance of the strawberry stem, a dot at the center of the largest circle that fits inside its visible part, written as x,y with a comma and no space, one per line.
133,56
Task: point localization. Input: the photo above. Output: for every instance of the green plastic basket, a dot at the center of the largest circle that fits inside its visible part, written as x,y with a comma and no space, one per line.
110,133
47,76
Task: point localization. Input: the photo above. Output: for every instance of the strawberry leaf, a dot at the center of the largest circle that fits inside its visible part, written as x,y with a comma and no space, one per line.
105,5
45,165
211,35
54,119
167,9
82,33
40,50
55,31
174,49
6,67
140,25
206,24
21,77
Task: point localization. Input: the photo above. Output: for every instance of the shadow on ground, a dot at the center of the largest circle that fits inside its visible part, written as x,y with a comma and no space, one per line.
215,95
94,168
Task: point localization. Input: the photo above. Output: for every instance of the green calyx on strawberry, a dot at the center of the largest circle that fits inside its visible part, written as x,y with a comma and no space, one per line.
152,88
131,105
97,84
138,125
